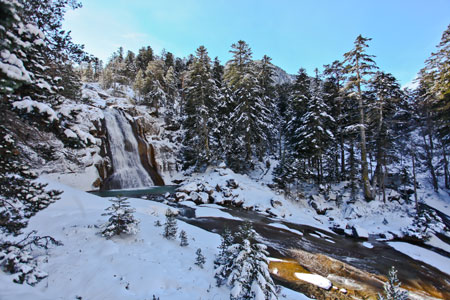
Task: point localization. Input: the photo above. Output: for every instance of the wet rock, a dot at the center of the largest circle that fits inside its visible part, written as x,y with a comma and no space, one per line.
97,183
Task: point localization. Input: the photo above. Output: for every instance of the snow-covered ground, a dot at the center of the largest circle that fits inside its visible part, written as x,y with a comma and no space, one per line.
88,266
433,259
367,218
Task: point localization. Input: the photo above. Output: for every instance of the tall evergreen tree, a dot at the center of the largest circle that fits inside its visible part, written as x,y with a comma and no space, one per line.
387,93
335,77
201,94
144,56
434,80
250,117
360,66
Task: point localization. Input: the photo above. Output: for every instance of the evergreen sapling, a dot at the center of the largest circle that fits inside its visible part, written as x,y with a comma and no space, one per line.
170,227
121,218
183,239
392,288
200,259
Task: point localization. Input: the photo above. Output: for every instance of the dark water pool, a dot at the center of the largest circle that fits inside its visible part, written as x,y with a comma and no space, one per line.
137,193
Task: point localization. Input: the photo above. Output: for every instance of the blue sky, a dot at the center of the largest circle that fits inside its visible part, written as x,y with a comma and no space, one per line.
294,33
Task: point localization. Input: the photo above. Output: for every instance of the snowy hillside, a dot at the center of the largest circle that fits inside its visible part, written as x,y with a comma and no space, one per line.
88,266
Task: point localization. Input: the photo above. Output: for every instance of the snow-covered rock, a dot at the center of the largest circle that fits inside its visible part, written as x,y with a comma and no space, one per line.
315,279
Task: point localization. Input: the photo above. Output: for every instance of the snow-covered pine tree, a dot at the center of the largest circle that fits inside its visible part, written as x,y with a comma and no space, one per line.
121,220
221,260
144,56
13,72
183,239
20,199
200,258
245,268
296,106
16,257
294,113
50,58
265,72
154,94
434,84
130,69
314,135
250,117
170,227
392,288
386,90
115,71
139,85
201,94
20,196
336,100
360,66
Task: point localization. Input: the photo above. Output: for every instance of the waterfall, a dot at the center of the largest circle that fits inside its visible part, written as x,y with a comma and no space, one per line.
128,169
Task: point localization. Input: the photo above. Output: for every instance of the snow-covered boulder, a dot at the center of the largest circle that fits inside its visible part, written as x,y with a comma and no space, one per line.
188,188
360,232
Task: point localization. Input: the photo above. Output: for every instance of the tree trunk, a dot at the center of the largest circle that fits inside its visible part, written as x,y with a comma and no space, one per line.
413,156
368,194
446,175
429,162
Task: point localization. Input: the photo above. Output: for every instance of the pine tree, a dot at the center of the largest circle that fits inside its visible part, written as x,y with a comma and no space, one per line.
201,95
221,260
139,85
154,94
51,58
217,72
121,220
392,288
297,107
13,72
265,72
200,259
335,77
20,199
250,116
381,112
170,227
244,268
144,56
314,134
20,196
361,65
130,68
183,239
434,81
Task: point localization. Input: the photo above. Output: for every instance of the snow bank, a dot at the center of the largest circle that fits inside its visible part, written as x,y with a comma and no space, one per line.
418,253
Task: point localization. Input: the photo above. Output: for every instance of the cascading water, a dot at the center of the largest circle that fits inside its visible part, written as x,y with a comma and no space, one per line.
128,169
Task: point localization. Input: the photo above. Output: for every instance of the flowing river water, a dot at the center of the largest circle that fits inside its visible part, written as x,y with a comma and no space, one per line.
350,264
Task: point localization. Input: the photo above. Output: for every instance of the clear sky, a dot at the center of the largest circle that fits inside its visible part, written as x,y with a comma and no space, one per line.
294,33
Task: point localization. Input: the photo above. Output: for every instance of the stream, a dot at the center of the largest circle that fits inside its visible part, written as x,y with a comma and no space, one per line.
348,255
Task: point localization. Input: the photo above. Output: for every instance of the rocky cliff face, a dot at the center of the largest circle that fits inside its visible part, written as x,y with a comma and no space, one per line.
77,149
